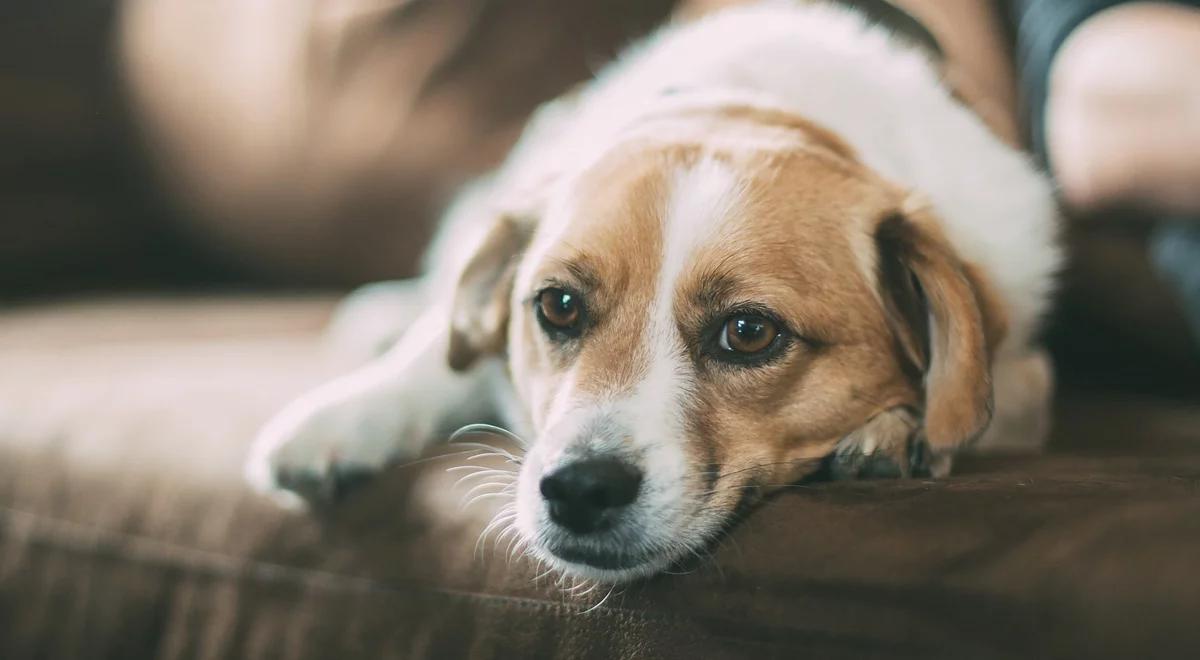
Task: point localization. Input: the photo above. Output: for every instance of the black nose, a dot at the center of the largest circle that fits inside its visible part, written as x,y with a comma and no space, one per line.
583,495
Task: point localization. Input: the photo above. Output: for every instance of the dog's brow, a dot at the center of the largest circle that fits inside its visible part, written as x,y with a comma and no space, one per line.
715,290
581,271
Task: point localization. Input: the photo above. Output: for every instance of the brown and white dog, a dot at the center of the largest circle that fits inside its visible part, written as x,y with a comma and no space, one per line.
762,242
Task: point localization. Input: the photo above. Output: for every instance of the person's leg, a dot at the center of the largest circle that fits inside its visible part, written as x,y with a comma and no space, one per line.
1122,115
978,58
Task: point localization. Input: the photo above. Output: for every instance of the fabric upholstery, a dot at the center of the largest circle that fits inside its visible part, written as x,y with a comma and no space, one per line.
125,530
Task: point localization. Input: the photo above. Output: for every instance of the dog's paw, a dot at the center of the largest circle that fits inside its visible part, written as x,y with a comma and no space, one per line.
312,457
372,319
889,446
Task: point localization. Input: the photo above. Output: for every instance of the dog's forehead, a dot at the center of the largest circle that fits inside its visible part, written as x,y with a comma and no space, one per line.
650,213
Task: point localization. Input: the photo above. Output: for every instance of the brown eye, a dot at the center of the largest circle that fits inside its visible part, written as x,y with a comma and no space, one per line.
748,334
559,310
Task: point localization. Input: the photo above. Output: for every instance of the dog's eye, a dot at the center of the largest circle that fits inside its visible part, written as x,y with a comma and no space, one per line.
747,334
559,311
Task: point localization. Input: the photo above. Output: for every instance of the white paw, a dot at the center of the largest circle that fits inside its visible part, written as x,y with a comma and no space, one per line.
372,319
314,451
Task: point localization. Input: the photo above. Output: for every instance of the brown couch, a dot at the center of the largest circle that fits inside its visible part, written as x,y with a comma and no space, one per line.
125,530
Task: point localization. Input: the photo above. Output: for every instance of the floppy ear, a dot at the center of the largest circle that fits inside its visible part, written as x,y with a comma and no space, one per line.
946,320
480,312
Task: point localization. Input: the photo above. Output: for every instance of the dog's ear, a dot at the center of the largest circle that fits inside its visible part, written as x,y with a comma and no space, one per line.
946,320
480,311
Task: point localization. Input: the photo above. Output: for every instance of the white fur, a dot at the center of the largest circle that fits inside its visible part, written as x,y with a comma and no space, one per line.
700,200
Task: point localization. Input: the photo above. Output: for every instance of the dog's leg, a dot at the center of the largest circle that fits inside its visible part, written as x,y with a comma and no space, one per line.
373,318
1022,386
388,410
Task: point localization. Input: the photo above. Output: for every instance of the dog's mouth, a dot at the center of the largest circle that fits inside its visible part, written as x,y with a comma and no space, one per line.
608,560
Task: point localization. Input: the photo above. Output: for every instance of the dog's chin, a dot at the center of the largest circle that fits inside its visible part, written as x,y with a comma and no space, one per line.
604,566
614,561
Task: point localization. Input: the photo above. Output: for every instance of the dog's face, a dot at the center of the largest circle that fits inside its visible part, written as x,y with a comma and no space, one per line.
699,319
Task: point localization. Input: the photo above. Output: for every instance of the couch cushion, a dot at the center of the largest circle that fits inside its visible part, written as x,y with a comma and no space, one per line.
125,529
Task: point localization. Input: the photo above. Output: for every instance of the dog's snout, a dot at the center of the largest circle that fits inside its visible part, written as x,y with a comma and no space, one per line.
582,496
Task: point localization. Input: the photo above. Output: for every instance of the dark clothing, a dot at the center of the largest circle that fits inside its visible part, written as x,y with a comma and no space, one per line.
1041,27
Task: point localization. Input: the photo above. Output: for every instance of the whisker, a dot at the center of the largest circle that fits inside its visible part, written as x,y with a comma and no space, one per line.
465,478
485,429
490,451
481,498
597,606
506,488
595,585
463,468
503,518
575,592
498,482
541,575
507,458
500,520
467,504
518,551
432,458
487,472
515,546
510,533
481,489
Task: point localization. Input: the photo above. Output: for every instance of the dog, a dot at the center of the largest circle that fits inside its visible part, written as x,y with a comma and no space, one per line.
763,245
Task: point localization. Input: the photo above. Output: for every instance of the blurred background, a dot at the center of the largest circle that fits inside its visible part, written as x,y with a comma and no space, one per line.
264,143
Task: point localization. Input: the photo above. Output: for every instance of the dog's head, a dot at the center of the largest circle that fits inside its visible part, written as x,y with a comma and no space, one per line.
696,318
